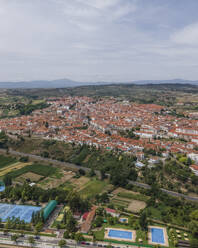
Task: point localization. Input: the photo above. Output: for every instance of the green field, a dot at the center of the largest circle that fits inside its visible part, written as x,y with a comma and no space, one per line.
120,203
5,161
43,170
93,187
138,197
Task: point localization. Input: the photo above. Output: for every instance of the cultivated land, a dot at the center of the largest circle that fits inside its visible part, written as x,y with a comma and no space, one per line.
33,177
13,168
55,181
132,201
94,187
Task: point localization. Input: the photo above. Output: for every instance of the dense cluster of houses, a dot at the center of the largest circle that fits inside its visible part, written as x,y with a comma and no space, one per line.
99,123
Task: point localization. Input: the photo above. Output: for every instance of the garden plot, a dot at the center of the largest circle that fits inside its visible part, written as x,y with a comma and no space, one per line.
132,201
33,177
52,182
135,206
79,183
13,167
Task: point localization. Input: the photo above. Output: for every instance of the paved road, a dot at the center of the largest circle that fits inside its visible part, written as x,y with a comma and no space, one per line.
76,167
49,160
172,193
49,242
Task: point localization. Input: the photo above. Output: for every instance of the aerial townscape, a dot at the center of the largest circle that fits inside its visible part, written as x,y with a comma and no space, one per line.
90,169
98,124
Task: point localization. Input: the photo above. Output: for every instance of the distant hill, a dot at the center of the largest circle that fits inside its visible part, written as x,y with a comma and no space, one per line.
65,83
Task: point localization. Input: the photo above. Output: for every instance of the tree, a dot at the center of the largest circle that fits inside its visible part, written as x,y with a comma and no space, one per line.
71,224
66,235
102,174
39,227
14,237
143,221
194,179
7,180
46,124
61,243
194,215
81,172
24,159
31,240
92,173
5,232
98,221
194,243
193,226
78,237
131,220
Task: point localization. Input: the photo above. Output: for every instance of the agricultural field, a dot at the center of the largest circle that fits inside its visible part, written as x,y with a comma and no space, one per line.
135,206
42,170
132,201
11,169
94,187
60,178
79,183
33,177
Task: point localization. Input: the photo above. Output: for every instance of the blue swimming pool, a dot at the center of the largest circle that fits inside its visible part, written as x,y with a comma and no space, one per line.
2,188
123,220
157,235
113,233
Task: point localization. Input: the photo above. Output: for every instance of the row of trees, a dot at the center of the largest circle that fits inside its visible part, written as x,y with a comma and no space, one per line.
26,193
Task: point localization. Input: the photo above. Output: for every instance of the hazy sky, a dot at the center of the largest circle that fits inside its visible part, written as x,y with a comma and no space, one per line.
111,40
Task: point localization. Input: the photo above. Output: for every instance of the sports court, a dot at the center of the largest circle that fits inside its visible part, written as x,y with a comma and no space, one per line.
17,211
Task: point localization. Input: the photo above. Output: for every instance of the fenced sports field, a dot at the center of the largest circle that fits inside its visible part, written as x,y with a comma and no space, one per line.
17,211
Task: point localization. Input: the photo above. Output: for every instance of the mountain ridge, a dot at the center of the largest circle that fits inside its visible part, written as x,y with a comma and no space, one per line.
64,83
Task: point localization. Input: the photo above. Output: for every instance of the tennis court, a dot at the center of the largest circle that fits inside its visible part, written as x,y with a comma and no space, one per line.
17,211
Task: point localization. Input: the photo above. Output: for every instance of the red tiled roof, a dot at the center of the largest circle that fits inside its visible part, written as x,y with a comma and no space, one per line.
85,215
194,166
110,210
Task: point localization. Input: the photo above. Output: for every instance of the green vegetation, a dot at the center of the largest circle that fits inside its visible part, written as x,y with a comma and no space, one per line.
26,109
93,187
6,160
133,196
43,170
120,166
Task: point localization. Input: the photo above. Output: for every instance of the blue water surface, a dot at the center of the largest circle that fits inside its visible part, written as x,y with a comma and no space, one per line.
2,188
157,235
123,220
120,234
18,211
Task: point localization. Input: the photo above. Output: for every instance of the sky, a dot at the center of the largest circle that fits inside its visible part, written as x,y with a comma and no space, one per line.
98,40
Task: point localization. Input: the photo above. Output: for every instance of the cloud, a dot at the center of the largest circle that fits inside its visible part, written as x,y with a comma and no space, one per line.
100,4
187,35
119,40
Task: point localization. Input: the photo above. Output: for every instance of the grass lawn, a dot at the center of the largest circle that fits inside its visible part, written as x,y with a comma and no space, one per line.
141,235
127,195
67,186
37,101
93,187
